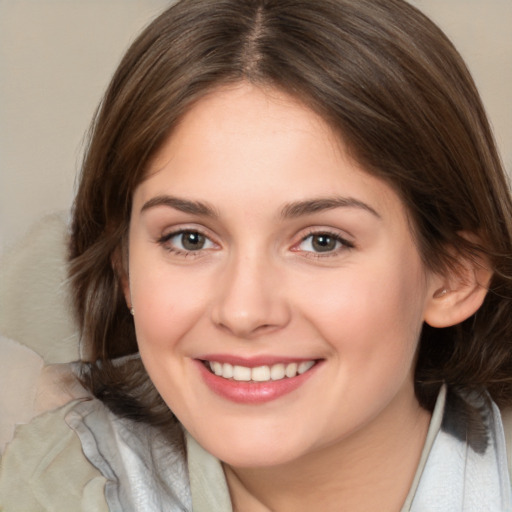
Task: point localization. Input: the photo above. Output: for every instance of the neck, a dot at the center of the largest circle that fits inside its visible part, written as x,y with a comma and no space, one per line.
370,470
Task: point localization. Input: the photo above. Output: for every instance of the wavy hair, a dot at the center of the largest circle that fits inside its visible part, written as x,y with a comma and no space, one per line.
385,78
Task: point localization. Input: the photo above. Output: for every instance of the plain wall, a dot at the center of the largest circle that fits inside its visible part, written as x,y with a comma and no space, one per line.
56,57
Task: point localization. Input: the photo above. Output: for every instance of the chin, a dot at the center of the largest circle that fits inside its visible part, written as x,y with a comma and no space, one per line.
251,458
250,451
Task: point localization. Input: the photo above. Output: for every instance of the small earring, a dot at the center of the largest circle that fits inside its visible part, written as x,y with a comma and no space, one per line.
132,311
440,293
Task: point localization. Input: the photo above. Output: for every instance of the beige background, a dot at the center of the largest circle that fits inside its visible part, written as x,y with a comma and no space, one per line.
56,57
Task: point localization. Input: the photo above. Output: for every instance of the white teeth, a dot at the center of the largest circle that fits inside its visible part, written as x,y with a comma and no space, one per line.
291,370
227,371
260,373
216,367
277,372
241,373
304,367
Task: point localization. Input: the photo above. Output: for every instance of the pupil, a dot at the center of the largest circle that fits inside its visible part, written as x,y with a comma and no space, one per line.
193,241
324,243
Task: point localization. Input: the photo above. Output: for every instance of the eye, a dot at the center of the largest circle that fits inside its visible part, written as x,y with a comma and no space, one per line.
186,241
323,243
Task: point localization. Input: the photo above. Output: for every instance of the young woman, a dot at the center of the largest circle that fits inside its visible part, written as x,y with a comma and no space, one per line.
291,259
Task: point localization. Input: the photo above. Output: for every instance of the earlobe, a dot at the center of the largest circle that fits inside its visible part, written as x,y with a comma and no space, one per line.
457,296
120,267
125,285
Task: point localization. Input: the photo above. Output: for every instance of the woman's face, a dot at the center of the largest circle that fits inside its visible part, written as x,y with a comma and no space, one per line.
278,292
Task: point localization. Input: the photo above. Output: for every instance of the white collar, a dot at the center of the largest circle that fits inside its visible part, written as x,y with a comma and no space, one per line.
451,475
463,465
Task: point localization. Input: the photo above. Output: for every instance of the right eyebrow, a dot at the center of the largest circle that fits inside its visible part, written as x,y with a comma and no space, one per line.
180,204
308,207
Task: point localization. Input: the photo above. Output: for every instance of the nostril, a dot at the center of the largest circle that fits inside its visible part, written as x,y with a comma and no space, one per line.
245,309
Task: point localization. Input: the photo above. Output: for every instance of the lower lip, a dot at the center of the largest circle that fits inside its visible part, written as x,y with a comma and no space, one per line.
243,392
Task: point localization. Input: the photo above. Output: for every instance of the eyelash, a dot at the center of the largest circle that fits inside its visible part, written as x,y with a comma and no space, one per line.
345,244
164,241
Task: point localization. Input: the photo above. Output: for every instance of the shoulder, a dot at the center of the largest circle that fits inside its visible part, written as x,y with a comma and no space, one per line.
44,468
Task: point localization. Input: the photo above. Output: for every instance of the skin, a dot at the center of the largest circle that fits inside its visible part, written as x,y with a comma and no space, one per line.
353,432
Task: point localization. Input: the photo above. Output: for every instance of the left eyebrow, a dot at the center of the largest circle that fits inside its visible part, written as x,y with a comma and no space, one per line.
300,208
182,205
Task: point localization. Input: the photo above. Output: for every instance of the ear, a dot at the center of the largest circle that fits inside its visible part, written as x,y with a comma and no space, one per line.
119,262
458,294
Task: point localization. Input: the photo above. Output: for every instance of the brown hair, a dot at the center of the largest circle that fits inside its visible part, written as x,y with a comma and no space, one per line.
382,75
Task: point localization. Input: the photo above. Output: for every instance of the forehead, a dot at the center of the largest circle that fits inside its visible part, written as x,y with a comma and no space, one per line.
252,145
242,114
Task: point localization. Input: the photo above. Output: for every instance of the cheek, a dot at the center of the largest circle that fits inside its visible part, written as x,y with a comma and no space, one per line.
168,301
169,304
371,314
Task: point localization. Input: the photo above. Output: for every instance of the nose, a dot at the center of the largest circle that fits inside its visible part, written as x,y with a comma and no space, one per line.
250,299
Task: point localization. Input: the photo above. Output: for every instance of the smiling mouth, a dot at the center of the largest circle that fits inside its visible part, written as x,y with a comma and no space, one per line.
265,373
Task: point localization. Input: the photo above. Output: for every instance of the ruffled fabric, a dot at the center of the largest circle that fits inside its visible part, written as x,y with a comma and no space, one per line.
463,467
467,468
144,469
133,467
44,470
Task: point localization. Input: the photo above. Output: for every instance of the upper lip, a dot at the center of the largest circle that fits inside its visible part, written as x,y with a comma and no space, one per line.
253,362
